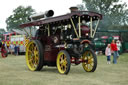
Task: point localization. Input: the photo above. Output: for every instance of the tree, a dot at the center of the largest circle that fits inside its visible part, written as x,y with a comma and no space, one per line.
20,15
81,7
113,12
2,31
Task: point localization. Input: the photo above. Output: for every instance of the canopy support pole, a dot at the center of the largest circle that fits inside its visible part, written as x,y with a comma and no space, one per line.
26,32
91,27
48,30
74,28
79,28
96,28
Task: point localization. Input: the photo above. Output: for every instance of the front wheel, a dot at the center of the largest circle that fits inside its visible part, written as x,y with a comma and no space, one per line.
90,59
63,62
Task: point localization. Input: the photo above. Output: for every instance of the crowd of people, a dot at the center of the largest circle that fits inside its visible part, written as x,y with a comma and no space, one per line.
113,49
14,49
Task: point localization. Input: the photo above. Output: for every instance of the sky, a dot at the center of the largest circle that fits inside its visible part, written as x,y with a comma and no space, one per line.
59,7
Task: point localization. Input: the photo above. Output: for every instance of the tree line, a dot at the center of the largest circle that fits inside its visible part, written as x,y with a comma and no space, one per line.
114,14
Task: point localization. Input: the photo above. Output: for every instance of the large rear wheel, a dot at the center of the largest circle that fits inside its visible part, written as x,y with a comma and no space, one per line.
90,59
63,62
34,55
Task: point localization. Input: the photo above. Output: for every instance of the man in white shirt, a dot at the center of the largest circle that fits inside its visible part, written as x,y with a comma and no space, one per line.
11,47
118,43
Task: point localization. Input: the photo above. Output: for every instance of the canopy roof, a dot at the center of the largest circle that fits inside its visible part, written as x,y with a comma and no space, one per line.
64,19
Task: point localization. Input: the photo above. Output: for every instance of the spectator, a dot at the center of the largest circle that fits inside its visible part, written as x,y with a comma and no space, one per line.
11,47
118,43
0,44
108,53
114,50
5,45
16,48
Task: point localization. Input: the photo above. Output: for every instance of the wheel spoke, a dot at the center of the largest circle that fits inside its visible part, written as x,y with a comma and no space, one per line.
36,53
65,62
31,62
91,65
61,66
29,51
90,61
32,47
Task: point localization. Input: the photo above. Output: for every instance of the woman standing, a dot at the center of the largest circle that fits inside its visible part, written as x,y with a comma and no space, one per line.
114,51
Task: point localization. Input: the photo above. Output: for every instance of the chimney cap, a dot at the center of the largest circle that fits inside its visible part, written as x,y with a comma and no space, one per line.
73,9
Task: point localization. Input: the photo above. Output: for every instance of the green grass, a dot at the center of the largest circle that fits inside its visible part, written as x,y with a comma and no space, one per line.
13,71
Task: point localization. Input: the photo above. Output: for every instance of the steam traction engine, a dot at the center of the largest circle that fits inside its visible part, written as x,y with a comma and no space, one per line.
62,40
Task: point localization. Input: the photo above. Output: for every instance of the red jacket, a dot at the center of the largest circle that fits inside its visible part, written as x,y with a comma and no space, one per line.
114,47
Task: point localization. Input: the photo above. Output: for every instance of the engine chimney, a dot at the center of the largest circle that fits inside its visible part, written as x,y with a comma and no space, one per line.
73,9
38,16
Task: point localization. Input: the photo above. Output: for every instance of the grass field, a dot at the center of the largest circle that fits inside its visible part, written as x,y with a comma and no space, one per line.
13,71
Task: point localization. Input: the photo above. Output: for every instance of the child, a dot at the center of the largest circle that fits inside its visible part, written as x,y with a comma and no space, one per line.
108,53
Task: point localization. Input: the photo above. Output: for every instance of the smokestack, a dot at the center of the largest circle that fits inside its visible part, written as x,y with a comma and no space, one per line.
73,9
48,13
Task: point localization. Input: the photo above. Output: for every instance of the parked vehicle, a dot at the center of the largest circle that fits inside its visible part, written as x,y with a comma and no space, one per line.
101,42
21,41
15,39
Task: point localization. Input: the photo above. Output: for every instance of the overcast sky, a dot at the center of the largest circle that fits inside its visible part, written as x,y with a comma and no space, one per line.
59,7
